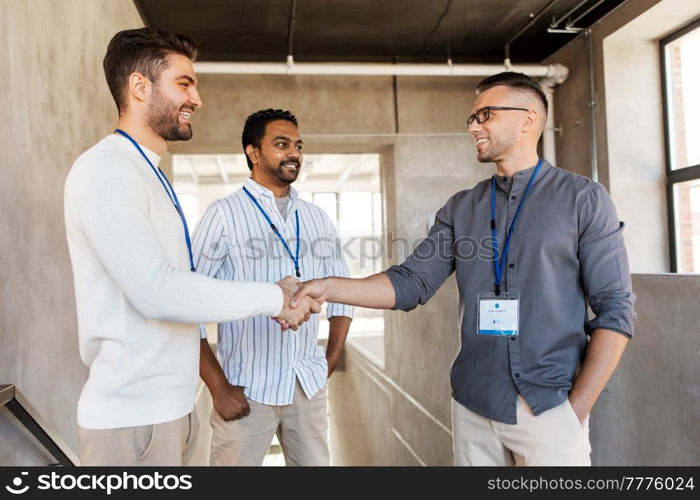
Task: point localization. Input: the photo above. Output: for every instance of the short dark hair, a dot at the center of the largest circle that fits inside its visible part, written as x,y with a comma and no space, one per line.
518,81
254,128
143,50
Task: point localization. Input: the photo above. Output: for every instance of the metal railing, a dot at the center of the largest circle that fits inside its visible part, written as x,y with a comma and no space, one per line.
27,416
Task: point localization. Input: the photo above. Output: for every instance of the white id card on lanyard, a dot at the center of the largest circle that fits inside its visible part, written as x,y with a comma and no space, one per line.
498,314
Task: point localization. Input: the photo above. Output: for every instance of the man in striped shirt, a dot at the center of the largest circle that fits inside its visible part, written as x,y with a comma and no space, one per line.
269,381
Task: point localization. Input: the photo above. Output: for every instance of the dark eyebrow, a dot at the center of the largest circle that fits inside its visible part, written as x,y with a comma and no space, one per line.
188,78
288,139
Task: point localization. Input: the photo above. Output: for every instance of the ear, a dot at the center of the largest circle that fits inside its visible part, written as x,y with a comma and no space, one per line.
252,154
531,120
139,86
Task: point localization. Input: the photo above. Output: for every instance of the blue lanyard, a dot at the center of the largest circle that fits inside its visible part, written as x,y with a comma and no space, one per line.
279,235
171,193
499,261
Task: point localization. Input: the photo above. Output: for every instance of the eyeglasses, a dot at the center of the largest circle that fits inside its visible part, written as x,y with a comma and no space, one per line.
485,113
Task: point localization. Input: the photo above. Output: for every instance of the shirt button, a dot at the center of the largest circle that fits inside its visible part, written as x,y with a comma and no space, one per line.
514,338
513,197
511,266
516,375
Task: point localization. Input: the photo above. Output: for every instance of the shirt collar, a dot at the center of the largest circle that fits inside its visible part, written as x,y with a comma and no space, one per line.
260,191
522,176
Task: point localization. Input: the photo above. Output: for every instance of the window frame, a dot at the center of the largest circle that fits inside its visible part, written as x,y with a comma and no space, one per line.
676,176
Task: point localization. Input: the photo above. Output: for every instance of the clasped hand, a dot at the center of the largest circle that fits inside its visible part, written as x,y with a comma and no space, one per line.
294,317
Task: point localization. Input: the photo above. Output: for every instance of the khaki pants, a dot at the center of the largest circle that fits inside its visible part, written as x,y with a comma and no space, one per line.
301,429
555,437
166,444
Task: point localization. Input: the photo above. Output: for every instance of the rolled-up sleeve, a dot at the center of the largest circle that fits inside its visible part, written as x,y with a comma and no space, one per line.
604,265
431,263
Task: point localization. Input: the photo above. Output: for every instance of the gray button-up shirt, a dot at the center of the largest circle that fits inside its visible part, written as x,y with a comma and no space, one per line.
566,251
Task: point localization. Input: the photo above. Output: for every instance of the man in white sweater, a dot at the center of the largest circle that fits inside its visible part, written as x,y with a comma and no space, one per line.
138,299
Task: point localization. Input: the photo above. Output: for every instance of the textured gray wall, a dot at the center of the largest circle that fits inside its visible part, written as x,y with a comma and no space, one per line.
651,405
572,98
629,118
649,413
56,104
375,422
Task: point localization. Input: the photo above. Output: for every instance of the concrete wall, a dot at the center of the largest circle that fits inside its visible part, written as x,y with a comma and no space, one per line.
572,99
56,104
636,154
632,74
645,398
648,415
628,116
374,421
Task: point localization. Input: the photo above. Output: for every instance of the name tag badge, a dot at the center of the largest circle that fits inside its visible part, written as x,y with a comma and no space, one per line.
498,315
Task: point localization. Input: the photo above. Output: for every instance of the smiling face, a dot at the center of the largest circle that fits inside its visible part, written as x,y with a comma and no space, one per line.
173,100
278,159
502,133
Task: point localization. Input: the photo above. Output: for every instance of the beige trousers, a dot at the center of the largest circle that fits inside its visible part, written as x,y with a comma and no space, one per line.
555,437
166,444
301,428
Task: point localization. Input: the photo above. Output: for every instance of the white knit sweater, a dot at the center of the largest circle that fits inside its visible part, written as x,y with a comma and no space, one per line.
138,303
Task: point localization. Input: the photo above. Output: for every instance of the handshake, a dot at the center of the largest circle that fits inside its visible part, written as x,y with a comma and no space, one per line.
298,306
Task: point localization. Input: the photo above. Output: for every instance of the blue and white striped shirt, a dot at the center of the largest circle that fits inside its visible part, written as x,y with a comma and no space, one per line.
233,241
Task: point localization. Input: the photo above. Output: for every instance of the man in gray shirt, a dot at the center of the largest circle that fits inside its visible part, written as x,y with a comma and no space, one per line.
526,376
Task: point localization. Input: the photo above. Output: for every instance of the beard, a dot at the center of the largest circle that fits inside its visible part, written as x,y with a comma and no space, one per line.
163,119
495,150
281,172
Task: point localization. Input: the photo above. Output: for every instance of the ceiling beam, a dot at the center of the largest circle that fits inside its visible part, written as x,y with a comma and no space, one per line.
345,173
186,160
222,169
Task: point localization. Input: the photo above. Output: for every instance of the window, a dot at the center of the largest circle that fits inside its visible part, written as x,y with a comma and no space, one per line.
329,203
680,53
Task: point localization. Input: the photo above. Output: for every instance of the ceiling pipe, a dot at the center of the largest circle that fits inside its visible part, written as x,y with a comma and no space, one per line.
533,19
584,14
569,26
290,37
550,75
556,22
548,82
290,31
549,71
548,138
